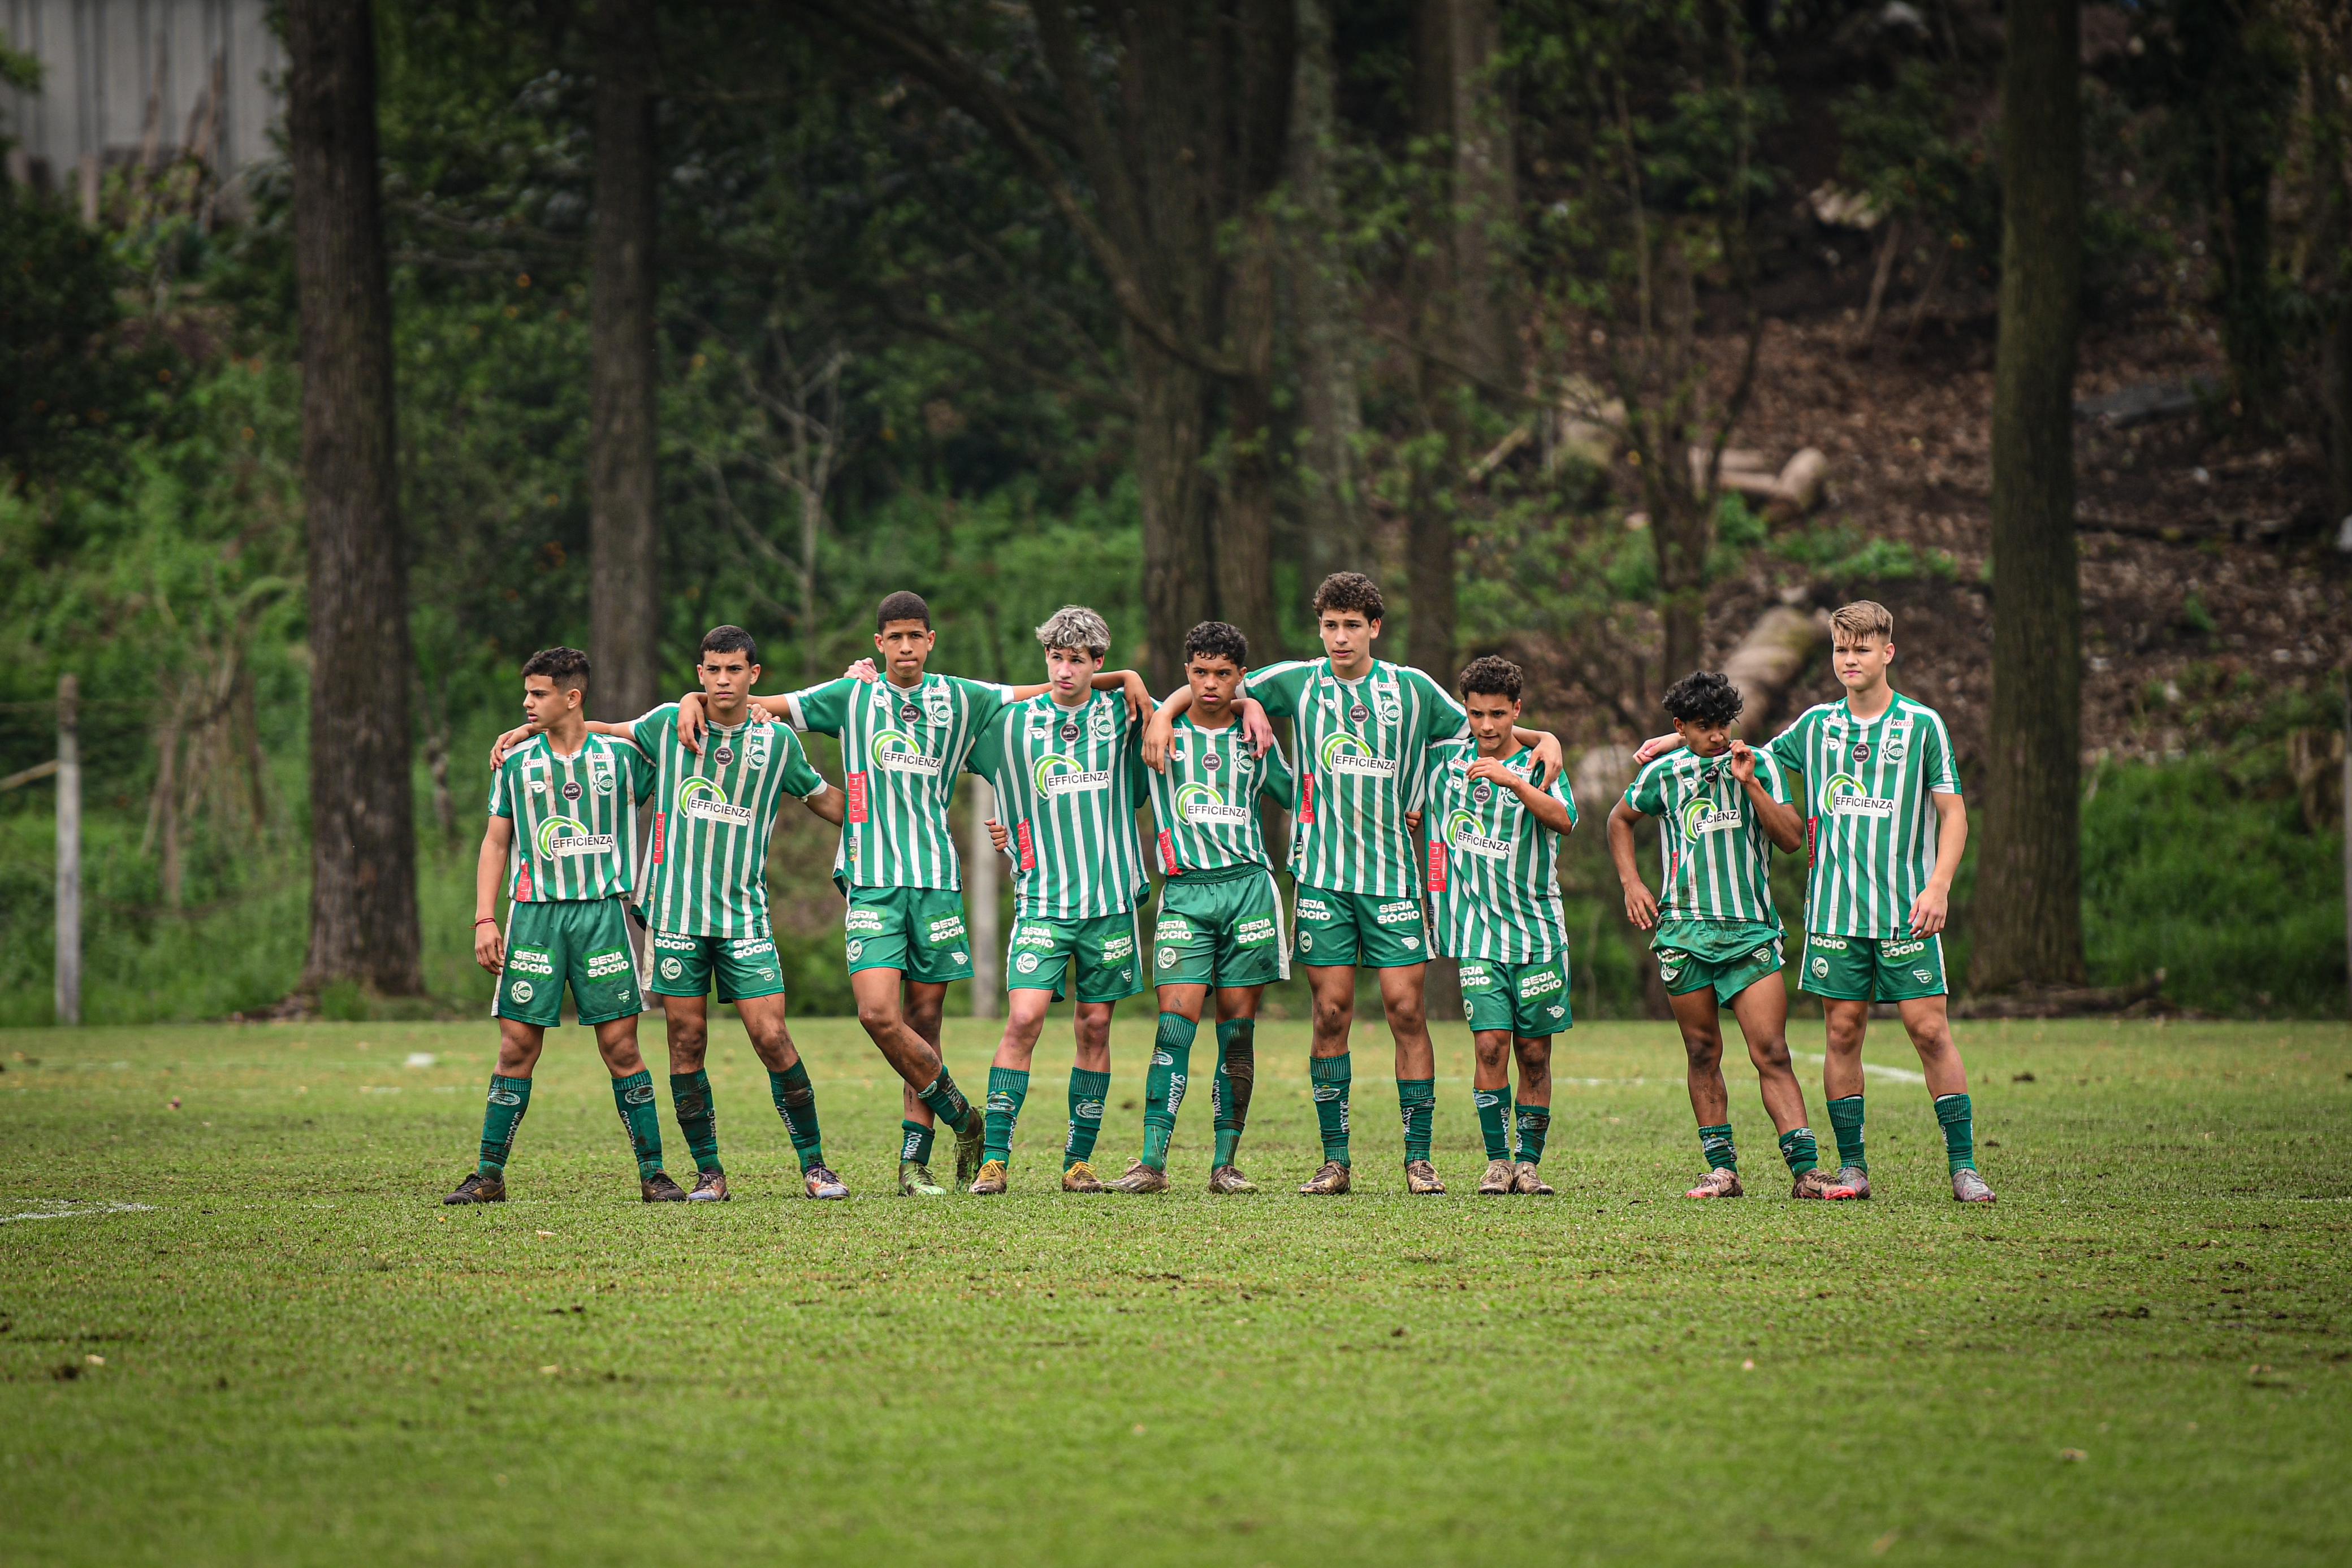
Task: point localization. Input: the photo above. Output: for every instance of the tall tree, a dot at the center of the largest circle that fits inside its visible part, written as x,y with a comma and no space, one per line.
624,530
2032,869
1323,306
363,924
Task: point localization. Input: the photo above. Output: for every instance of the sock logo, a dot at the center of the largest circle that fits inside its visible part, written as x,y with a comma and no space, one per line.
638,1094
1485,1099
1000,1104
505,1097
1087,1111
1162,1058
1326,1092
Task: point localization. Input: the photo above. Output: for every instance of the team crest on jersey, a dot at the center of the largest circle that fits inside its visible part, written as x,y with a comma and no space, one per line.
937,705
1347,754
1100,723
755,750
1176,750
600,774
705,799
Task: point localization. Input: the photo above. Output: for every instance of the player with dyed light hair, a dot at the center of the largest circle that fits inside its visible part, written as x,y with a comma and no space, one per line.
1718,934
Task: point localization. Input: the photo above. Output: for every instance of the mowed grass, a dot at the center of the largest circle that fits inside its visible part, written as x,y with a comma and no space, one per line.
2140,1357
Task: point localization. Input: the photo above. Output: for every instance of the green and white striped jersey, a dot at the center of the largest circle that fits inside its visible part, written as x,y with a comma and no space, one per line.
1362,749
1869,823
1206,802
1493,870
901,749
712,817
1717,860
1068,780
576,833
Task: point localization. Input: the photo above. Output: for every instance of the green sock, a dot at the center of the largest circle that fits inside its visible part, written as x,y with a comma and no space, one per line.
1715,1143
697,1118
1796,1147
1417,1105
509,1098
1494,1119
796,1098
1959,1118
1229,1090
1007,1087
634,1097
1845,1121
1330,1076
1163,1086
1534,1126
1088,1092
915,1142
946,1100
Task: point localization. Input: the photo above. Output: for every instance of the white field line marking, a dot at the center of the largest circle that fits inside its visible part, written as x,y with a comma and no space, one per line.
1900,1074
420,1059
72,1213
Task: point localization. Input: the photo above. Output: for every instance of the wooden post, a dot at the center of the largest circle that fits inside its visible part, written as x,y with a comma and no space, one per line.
68,942
980,868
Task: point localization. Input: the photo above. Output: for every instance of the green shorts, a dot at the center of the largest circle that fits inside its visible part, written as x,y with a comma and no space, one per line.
1359,930
1874,968
747,967
1725,955
1528,999
1104,952
917,931
1220,928
581,941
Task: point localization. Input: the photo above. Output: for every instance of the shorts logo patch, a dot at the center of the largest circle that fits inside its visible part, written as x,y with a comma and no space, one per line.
1410,942
1167,959
1555,1011
1399,912
1901,949
1314,909
666,942
1670,971
671,968
1034,937
1172,929
1027,964
1116,947
960,957
868,921
1539,983
1828,943
943,931
1821,969
604,966
531,961
1474,975
855,950
750,947
1254,933
1307,941
1923,977
520,990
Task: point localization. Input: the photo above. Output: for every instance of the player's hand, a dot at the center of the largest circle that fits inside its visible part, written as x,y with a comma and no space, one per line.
1413,821
863,670
998,836
1549,757
1488,767
1929,912
759,715
1655,747
490,946
1256,728
1157,733
509,740
690,721
1140,705
1743,762
1640,907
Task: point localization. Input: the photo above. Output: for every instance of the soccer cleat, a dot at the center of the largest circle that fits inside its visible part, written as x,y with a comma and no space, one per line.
820,1182
709,1187
1141,1177
1969,1186
1719,1183
1498,1180
1851,1181
971,1139
1529,1180
1814,1183
479,1188
1228,1179
659,1188
914,1180
991,1180
1420,1180
1081,1177
1329,1182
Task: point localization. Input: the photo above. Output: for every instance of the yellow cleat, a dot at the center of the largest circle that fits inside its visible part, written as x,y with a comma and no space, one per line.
1081,1177
991,1180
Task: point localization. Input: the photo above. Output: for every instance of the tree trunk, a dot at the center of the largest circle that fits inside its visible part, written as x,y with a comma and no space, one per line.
1678,536
2031,866
362,827
623,536
1486,194
1429,576
1244,544
1171,432
1323,308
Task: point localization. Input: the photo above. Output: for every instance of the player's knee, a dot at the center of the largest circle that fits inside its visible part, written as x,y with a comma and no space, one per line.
1407,1014
924,1019
1535,1057
1331,1017
879,1019
1771,1052
1494,1050
1705,1050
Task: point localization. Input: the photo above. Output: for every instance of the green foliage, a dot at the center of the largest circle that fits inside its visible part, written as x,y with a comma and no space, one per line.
1904,146
1839,552
73,378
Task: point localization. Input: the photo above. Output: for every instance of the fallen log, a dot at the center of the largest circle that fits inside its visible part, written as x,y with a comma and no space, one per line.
2038,1001
1768,661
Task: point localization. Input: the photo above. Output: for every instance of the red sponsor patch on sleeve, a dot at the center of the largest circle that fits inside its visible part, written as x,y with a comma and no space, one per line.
1168,863
1437,866
1028,849
661,821
523,883
1307,797
854,786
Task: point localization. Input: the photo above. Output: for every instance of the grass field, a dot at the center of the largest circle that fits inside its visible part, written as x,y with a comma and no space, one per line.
245,1330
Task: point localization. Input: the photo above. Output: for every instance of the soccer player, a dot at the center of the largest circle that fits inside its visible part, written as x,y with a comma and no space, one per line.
1495,819
1362,729
1884,814
1219,914
1067,768
568,871
1718,934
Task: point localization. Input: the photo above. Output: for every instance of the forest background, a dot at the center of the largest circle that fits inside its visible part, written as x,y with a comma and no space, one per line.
1170,312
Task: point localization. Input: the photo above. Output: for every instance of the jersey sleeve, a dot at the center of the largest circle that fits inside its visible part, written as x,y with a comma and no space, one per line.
1277,687
502,794
1276,780
655,728
1139,776
1558,791
983,700
643,775
1647,792
987,754
1442,718
1788,747
1770,774
823,708
800,775
1936,762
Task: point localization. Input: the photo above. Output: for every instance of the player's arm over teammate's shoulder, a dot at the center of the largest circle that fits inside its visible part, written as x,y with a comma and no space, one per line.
1765,782
504,744
1277,781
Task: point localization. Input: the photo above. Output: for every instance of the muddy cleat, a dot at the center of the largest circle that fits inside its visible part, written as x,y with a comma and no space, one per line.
991,1180
709,1187
1228,1180
1329,1182
1719,1183
479,1188
1081,1177
1529,1180
1851,1182
1969,1186
659,1188
969,1143
1141,1177
1496,1182
820,1182
1814,1183
1420,1180
915,1181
